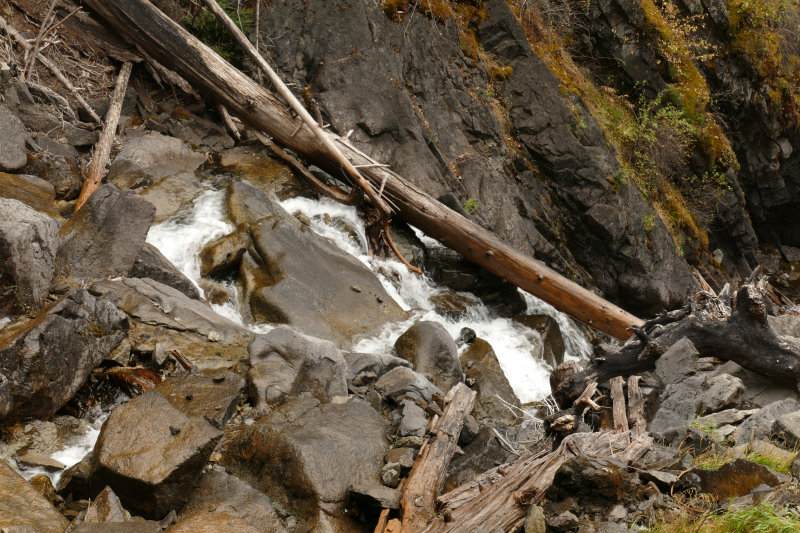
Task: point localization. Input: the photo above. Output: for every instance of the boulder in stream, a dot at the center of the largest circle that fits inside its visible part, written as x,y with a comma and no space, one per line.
23,509
432,351
481,365
152,264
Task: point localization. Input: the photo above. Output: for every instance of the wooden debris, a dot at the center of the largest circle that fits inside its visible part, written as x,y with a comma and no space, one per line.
31,56
226,119
636,408
103,148
618,399
182,359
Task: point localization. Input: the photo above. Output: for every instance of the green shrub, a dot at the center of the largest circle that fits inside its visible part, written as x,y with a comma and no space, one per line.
205,26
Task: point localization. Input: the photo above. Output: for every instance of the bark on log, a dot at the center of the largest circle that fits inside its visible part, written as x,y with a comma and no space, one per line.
734,329
427,476
618,399
161,38
103,149
636,408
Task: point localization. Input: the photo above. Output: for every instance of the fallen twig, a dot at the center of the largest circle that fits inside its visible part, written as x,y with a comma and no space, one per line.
28,70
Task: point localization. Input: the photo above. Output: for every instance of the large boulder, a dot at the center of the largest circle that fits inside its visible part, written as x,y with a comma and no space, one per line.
163,315
224,253
152,264
212,395
222,503
43,362
254,164
370,366
297,278
305,456
552,339
60,171
12,142
28,244
286,363
248,204
494,391
151,454
105,236
30,190
402,382
432,351
760,425
23,509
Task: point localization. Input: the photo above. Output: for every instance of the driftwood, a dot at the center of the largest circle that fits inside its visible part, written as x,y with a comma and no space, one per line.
500,497
730,327
103,148
618,399
636,416
427,476
31,60
161,38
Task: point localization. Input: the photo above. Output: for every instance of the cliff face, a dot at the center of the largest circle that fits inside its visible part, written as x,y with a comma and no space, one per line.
528,154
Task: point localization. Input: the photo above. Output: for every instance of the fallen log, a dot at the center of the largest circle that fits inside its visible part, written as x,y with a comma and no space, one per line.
427,476
144,25
733,328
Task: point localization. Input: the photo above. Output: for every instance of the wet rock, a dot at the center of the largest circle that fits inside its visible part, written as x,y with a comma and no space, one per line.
44,486
162,315
31,191
377,364
148,159
37,460
377,496
152,264
28,244
407,242
285,363
222,503
587,477
402,456
60,171
44,362
480,455
760,425
106,508
12,142
225,253
490,382
212,395
151,454
76,479
432,352
171,194
105,236
248,204
402,381
214,292
23,509
735,479
305,456
133,380
254,165
467,336
300,279
454,305
414,422
547,327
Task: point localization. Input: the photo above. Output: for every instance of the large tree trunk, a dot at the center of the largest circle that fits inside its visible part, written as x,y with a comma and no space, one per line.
160,37
734,329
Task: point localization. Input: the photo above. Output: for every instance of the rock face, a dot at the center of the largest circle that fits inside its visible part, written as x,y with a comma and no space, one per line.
151,454
222,503
152,264
432,352
212,395
23,509
602,228
285,363
162,315
105,236
12,142
43,362
480,364
300,279
28,244
305,456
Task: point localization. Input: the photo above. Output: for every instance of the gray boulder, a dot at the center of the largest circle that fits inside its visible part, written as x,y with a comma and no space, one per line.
39,120
696,395
759,390
45,361
432,352
12,142
414,422
377,496
222,503
403,382
201,132
305,456
152,264
151,454
787,428
372,364
23,509
248,204
761,424
60,171
480,455
678,363
286,363
212,395
28,244
481,365
105,236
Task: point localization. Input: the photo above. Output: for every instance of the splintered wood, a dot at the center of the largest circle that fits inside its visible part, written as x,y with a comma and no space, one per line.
618,400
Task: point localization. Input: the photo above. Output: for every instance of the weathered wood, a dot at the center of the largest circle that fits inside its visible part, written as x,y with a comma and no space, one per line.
226,119
161,38
30,61
383,520
618,402
102,150
51,66
738,333
636,416
427,475
503,501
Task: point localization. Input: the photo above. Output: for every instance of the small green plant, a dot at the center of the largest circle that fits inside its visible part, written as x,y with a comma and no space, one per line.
649,222
471,205
762,518
709,428
205,26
